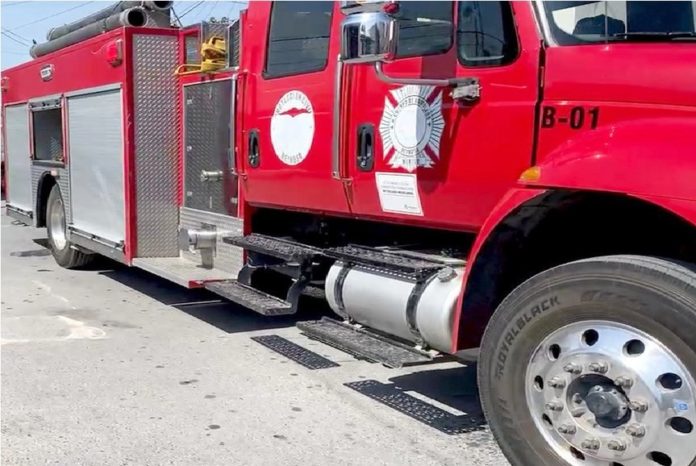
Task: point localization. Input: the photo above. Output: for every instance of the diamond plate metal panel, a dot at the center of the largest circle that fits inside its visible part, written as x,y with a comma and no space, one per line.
207,147
227,257
37,172
156,155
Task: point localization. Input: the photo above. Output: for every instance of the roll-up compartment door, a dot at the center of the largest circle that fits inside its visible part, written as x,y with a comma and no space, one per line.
18,163
95,130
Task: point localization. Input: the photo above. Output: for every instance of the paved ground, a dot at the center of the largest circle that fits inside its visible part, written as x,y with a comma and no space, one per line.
113,366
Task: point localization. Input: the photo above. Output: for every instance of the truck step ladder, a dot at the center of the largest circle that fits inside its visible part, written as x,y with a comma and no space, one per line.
364,344
403,262
286,250
249,297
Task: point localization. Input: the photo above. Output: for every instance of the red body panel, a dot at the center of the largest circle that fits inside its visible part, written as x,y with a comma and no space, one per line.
643,141
307,185
80,66
484,147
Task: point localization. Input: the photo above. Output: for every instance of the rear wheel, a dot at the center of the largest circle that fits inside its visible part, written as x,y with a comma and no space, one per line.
593,363
63,252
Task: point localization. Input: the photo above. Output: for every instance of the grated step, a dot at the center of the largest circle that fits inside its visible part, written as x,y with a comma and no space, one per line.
363,344
249,297
289,251
399,262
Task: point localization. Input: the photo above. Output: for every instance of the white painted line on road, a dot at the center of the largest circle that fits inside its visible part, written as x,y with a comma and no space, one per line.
44,287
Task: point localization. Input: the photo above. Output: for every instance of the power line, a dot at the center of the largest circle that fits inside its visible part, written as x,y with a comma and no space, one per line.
83,4
4,4
13,39
191,9
18,37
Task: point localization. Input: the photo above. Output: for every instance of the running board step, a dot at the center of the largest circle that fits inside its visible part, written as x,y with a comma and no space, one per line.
249,297
289,251
364,344
398,261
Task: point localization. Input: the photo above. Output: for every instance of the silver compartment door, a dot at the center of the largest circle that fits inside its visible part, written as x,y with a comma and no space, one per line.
209,182
95,129
18,163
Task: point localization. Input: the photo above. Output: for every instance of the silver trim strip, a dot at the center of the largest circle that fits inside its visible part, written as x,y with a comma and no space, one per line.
44,98
94,246
94,90
336,143
20,215
97,239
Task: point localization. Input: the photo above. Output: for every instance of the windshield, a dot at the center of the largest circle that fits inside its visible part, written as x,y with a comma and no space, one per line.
583,22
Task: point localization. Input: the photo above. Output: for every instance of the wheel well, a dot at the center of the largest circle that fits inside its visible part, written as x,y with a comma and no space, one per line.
560,227
46,183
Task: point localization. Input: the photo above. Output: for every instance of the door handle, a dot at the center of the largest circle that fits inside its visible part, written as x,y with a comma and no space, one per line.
254,155
366,147
211,175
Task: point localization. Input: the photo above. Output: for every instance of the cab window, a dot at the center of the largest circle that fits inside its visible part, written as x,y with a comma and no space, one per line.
298,39
486,33
425,28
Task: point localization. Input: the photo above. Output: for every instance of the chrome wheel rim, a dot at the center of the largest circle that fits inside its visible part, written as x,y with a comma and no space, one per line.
57,222
604,393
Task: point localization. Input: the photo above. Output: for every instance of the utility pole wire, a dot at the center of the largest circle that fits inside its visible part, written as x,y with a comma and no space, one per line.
191,9
13,39
52,15
17,36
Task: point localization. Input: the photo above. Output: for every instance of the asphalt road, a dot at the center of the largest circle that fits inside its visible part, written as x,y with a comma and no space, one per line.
114,366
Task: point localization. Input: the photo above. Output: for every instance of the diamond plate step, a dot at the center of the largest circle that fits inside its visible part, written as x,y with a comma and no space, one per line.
397,261
294,352
249,297
363,344
289,251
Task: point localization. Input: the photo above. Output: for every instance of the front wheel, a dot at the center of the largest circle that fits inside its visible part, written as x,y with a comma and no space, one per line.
61,248
593,363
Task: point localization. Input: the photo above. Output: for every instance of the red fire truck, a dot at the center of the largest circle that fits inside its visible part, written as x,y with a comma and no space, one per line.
514,176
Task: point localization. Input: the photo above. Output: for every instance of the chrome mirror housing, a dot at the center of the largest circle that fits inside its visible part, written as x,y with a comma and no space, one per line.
368,37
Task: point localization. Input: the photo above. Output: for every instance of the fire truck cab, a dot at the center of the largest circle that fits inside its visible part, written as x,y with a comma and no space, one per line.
516,177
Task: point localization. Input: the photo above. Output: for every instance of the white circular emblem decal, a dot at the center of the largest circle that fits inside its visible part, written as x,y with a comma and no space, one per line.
411,127
292,127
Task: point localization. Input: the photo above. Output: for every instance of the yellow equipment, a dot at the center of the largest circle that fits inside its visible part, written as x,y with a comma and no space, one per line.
213,58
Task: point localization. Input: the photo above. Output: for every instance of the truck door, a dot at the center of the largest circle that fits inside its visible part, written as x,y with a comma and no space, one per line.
288,112
411,150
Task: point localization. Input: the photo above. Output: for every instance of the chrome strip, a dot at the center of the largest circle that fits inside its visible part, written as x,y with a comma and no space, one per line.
336,143
94,90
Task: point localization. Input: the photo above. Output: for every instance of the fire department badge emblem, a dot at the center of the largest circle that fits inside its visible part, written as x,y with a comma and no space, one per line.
412,126
292,127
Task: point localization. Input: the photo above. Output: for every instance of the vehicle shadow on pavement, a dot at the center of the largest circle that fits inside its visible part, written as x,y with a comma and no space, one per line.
453,389
202,304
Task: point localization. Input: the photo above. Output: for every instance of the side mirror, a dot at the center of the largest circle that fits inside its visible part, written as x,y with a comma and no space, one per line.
368,37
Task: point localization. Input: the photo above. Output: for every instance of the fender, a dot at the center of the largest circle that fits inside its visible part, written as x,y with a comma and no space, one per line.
513,199
650,157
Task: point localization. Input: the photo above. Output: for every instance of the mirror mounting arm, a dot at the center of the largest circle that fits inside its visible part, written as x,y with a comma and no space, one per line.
464,89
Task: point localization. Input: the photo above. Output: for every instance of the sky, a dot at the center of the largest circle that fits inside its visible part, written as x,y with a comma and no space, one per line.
22,21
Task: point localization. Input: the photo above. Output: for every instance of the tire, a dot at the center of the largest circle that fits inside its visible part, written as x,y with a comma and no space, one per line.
63,252
614,297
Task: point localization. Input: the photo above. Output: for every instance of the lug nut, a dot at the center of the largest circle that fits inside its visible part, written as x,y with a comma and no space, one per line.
554,406
635,430
557,382
566,429
590,444
616,445
599,367
577,412
572,368
638,406
624,382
